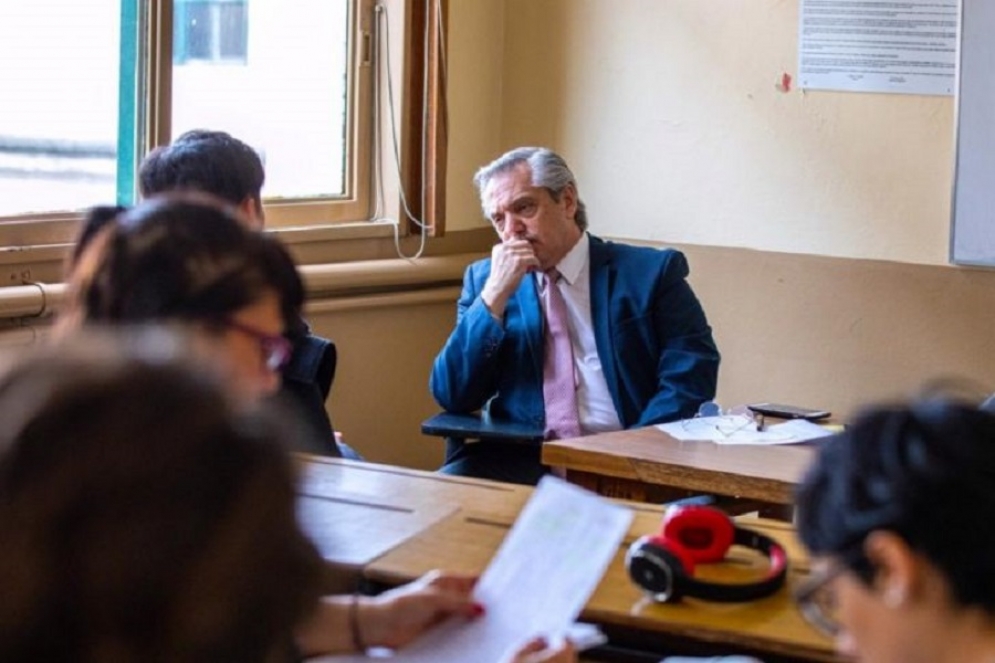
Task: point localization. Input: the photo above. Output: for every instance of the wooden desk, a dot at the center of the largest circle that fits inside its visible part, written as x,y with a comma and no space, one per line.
631,464
770,628
356,511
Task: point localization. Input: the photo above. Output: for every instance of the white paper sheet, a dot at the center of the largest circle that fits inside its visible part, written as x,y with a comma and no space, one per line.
539,580
739,429
789,432
878,45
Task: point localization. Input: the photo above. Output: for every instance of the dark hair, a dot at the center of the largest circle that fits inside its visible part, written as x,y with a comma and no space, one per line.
143,515
180,257
96,219
548,170
925,472
213,162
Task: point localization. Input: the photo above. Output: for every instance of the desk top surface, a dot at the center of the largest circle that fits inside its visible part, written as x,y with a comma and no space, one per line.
466,541
356,511
765,472
394,524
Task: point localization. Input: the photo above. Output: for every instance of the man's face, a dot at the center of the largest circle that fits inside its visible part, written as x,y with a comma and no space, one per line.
519,210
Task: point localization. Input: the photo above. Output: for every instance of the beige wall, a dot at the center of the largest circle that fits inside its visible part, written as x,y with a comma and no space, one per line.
837,333
670,114
380,395
476,69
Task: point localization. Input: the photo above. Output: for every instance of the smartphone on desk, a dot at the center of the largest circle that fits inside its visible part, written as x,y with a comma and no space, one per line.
788,411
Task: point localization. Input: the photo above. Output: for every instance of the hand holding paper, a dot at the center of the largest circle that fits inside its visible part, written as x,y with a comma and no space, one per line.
538,582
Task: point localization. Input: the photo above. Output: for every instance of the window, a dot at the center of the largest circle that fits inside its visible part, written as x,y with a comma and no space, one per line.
101,82
288,97
58,111
215,31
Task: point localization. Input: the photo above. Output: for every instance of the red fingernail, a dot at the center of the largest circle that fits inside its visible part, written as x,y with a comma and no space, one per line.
477,610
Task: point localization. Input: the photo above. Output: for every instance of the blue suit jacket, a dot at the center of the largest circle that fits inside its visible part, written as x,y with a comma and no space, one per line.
655,345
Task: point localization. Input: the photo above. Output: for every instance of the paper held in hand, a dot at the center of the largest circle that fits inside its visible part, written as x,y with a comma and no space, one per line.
550,562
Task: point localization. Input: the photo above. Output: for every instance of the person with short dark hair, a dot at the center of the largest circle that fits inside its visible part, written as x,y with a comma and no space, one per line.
210,161
896,513
564,331
217,163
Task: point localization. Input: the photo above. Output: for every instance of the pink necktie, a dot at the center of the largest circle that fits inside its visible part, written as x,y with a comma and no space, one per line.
559,384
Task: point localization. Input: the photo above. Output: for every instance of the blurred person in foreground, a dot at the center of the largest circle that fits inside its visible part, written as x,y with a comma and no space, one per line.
896,514
145,516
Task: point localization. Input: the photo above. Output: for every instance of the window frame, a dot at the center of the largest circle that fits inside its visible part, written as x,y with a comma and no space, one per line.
355,203
420,104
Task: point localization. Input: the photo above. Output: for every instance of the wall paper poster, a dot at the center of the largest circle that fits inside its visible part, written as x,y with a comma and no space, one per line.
876,46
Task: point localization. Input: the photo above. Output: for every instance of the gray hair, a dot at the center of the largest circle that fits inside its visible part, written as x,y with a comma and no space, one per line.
549,171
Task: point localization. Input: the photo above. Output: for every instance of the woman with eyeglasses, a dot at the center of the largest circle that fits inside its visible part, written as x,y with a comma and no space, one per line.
186,259
897,513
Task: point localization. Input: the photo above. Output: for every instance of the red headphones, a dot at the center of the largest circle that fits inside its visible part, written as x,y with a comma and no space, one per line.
663,564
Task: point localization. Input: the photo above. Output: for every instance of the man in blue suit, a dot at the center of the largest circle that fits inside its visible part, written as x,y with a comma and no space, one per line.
642,349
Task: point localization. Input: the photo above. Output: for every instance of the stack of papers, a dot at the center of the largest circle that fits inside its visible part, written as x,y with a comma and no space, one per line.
740,429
